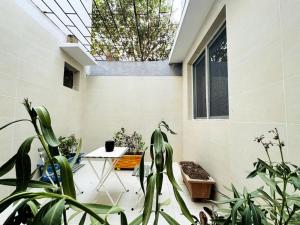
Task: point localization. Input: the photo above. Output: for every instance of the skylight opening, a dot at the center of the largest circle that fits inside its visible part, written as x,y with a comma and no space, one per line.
118,30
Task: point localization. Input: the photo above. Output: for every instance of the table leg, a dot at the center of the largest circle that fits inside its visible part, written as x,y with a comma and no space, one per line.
102,180
94,170
113,163
105,176
102,173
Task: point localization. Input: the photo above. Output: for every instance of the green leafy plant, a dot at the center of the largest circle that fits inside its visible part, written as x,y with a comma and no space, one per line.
134,141
68,145
28,193
277,201
161,153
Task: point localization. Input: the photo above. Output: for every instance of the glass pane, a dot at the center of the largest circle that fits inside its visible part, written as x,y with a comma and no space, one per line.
199,87
218,76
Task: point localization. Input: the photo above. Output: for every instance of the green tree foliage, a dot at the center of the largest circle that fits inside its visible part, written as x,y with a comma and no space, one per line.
132,30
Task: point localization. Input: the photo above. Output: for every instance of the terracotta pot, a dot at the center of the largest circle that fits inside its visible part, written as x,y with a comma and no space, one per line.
128,162
198,189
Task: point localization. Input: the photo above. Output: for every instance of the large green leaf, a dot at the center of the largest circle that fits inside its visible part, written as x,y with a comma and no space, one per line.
102,209
163,123
94,221
23,165
49,136
268,181
159,182
137,221
82,220
10,219
165,137
152,146
54,214
256,215
246,217
23,173
31,183
45,123
66,176
43,115
169,219
235,192
73,215
235,209
159,164
38,219
6,167
149,198
183,206
6,125
142,172
266,196
169,166
26,145
296,182
123,219
226,201
33,205
4,203
86,209
158,140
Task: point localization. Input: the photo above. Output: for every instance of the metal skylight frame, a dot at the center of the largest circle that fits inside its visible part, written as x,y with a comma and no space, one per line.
71,22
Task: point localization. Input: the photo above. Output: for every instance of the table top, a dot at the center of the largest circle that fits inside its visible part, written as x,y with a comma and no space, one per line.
118,152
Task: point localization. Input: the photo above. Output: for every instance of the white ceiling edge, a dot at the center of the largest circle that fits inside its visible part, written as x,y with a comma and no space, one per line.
78,53
194,14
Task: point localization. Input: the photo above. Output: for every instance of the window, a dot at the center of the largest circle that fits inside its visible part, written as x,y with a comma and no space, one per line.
71,77
210,79
200,87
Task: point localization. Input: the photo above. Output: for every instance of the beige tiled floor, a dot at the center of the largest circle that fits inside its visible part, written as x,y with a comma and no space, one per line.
87,181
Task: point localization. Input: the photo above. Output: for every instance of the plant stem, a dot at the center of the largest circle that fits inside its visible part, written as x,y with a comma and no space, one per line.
45,146
290,217
280,145
283,200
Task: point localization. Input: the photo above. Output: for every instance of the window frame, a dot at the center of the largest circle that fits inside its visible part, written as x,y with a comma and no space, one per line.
205,51
75,76
195,102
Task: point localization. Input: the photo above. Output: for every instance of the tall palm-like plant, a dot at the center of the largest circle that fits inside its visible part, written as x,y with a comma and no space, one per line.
57,198
161,153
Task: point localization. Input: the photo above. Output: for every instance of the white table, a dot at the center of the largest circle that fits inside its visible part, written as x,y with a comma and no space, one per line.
110,158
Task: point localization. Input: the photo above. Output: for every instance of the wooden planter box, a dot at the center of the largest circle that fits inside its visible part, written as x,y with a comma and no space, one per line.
199,189
128,162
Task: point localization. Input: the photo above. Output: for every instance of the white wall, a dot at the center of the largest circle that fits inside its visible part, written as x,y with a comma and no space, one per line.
32,65
264,77
132,102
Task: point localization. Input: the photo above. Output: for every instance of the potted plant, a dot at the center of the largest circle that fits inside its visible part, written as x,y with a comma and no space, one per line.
136,147
68,146
197,180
